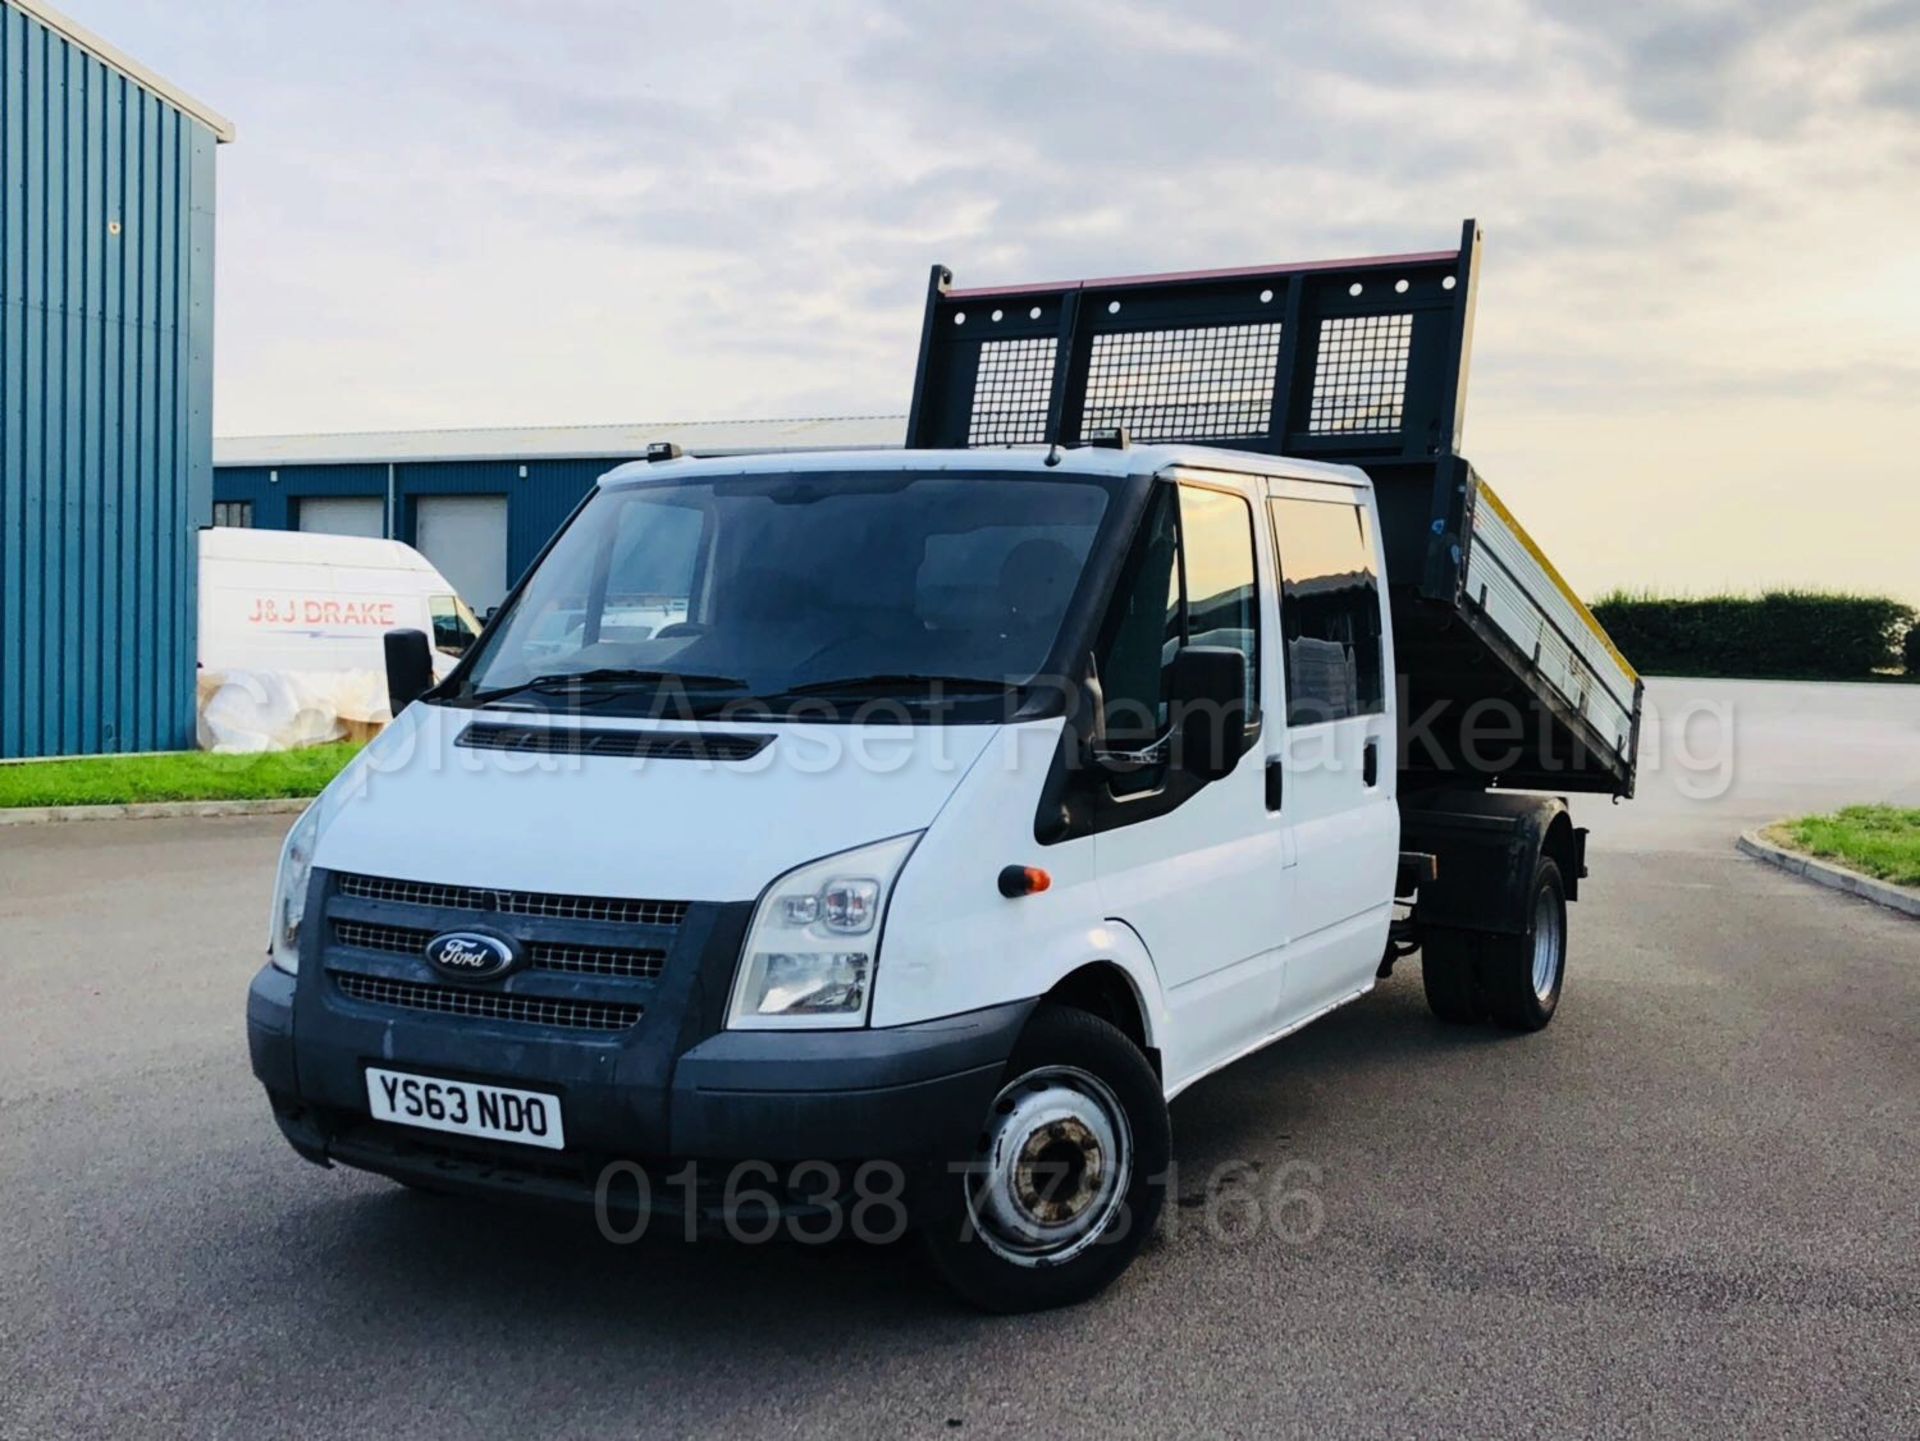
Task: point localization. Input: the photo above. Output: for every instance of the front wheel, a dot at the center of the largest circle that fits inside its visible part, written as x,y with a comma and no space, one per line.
1065,1183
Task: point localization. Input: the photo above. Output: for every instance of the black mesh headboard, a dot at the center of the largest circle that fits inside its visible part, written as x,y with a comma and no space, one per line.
1350,360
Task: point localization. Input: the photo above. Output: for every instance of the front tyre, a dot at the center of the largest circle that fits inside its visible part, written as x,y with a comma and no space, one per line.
1064,1185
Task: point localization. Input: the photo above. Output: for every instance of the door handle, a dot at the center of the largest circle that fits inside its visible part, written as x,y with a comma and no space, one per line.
1276,783
1370,763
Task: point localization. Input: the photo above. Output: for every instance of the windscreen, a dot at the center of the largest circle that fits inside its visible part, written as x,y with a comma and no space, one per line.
818,584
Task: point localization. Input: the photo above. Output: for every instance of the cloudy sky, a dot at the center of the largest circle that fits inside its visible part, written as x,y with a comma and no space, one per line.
1697,357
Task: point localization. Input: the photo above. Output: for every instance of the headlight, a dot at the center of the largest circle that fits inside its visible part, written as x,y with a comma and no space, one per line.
290,891
810,951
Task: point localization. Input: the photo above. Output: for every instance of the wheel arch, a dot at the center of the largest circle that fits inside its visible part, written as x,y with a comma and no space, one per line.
1104,989
1113,977
1565,845
1487,846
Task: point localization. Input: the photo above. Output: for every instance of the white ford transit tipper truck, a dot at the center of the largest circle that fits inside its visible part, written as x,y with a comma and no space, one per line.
947,812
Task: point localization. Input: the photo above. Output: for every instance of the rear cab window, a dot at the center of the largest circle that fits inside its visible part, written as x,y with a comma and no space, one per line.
1331,644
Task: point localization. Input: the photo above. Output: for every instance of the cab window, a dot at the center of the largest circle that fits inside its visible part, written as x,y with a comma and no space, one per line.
1216,541
1329,610
1190,581
454,626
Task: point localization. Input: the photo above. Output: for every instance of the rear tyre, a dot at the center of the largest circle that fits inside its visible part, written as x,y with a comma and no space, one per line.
1521,976
1513,979
1067,1173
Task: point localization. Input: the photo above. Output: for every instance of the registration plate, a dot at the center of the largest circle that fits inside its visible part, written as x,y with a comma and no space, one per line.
497,1113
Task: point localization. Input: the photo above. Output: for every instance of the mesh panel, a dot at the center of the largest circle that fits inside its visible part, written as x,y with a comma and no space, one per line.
1011,391
1360,380
395,940
1183,384
596,960
541,955
515,903
489,1005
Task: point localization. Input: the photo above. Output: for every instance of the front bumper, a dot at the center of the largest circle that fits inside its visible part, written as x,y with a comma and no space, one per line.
913,1095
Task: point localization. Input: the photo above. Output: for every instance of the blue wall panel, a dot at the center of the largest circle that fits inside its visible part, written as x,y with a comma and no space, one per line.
276,493
106,400
536,503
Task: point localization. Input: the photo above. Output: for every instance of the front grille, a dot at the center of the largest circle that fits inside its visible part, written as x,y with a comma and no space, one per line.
597,960
514,903
634,963
489,1005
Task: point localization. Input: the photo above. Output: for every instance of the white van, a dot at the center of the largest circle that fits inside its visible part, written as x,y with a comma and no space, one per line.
277,600
828,843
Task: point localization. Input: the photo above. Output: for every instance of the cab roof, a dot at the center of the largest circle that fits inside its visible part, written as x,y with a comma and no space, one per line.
1081,460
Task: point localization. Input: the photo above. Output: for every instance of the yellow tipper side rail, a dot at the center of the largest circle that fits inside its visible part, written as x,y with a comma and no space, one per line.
1487,495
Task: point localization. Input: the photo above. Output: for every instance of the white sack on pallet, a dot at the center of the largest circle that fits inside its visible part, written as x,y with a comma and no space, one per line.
243,711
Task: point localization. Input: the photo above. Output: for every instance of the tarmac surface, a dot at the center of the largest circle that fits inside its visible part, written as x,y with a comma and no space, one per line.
1688,1207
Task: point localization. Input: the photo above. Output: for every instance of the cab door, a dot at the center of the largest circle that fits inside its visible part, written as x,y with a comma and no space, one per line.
1337,771
1196,869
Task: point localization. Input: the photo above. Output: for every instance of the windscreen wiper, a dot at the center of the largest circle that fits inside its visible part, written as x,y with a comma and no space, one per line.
608,677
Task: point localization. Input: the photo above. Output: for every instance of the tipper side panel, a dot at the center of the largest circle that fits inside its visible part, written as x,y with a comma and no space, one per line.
1362,362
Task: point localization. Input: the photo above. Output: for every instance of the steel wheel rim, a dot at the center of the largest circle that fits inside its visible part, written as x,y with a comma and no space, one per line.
1546,945
1055,1161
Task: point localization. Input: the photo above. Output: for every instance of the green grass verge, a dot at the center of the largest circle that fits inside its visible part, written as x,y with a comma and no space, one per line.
1881,841
173,776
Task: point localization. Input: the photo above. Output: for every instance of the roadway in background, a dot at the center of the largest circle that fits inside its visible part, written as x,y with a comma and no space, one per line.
1688,1207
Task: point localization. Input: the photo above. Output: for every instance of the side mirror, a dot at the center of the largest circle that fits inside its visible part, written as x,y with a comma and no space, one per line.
409,667
1207,686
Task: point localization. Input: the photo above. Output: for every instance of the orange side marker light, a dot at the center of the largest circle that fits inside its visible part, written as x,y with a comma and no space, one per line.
1017,881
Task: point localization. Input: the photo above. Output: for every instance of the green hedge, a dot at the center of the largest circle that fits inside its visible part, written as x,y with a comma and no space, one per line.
1912,651
1795,634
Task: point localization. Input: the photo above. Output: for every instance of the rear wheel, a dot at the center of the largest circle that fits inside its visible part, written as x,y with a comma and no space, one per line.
1063,1187
1521,976
1513,979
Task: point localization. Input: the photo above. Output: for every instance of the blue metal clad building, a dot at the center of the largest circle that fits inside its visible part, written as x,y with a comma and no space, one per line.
478,503
106,390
